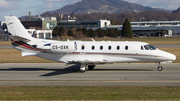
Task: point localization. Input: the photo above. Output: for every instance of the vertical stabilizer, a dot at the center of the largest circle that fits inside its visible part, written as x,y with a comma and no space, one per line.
15,27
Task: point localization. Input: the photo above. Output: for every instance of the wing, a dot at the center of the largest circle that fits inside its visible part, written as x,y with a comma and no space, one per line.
87,62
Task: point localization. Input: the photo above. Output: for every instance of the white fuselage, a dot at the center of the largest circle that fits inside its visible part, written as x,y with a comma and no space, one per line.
108,52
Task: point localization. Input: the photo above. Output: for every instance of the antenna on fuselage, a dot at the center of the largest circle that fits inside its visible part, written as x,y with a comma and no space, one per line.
93,40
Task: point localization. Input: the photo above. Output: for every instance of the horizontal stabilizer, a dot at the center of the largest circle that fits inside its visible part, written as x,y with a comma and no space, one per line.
28,54
18,38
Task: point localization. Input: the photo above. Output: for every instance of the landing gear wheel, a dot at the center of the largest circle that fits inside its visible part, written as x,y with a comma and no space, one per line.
82,71
160,68
82,68
91,67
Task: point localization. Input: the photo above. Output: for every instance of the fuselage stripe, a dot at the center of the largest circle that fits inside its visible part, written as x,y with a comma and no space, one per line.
88,53
26,46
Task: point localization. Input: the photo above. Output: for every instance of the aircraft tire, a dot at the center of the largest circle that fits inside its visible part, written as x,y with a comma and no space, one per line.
91,67
83,68
160,68
82,71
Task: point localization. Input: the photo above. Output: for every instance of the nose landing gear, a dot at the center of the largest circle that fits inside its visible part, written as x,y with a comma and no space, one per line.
159,68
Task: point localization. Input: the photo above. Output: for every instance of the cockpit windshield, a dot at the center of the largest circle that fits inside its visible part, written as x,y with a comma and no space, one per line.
149,47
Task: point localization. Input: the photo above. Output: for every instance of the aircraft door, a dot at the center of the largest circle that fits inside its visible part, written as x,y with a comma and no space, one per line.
83,49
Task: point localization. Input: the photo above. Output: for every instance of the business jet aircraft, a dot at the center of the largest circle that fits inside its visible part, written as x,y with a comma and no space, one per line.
84,53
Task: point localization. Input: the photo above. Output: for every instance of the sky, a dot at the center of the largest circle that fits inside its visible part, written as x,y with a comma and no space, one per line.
23,7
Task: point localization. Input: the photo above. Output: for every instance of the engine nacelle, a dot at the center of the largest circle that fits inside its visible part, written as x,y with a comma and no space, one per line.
63,47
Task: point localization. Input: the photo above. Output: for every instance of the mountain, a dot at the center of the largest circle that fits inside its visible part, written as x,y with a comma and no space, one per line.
176,11
109,6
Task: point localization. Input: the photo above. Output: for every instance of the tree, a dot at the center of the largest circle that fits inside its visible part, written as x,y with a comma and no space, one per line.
85,31
91,33
78,30
62,31
115,22
70,32
113,33
100,32
79,33
55,32
116,33
127,29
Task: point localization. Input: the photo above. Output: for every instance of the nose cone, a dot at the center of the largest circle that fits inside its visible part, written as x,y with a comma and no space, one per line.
170,57
173,57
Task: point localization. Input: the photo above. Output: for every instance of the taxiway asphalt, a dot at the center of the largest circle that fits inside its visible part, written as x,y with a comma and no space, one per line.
57,74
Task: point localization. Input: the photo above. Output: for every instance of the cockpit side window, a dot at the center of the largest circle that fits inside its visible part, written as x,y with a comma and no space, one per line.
142,48
152,47
149,47
146,47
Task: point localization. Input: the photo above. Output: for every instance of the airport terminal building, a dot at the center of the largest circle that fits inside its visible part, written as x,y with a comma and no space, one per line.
154,28
4,35
146,28
86,24
42,27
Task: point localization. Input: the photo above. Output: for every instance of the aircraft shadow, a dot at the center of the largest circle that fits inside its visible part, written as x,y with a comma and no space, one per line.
70,69
122,70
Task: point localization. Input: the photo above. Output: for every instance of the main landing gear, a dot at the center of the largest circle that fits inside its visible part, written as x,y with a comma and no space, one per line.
91,67
159,68
83,67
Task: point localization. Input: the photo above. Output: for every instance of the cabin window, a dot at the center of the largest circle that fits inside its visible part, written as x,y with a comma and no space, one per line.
126,48
93,47
118,47
101,47
82,47
109,47
142,48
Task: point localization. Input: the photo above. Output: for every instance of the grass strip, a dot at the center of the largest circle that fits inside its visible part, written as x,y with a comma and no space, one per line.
14,56
5,43
89,93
